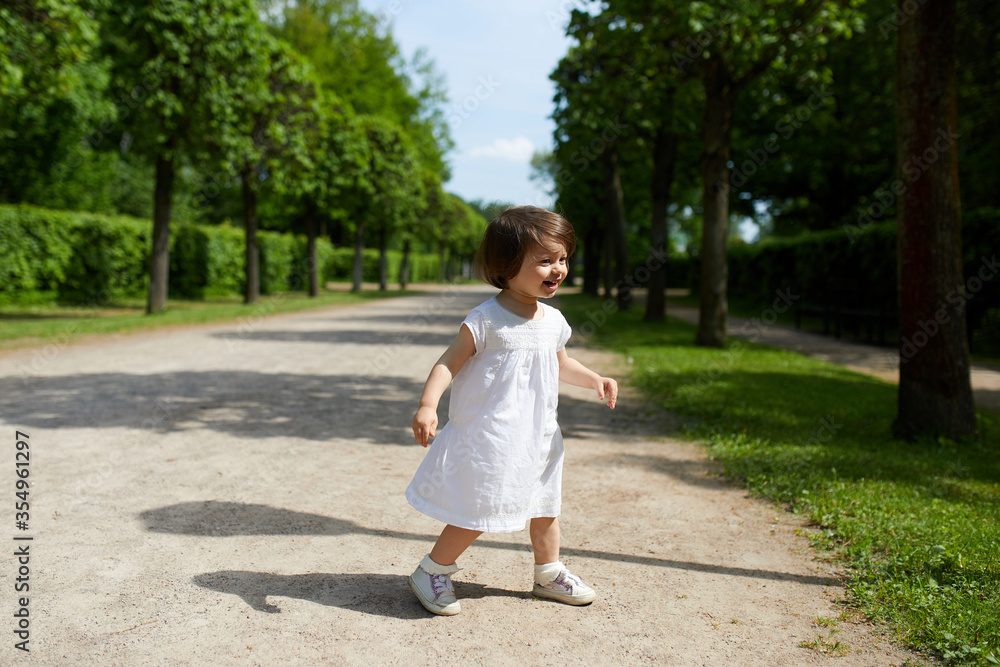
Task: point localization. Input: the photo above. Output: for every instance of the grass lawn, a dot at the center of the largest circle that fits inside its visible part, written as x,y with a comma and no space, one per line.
46,322
917,524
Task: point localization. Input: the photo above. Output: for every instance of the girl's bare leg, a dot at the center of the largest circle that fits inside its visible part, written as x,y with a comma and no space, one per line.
452,542
545,539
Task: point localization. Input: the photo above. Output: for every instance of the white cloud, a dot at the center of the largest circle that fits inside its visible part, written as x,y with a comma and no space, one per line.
519,149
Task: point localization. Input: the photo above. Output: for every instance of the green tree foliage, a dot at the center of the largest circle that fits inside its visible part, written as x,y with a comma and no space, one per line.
461,228
306,111
622,109
52,97
266,130
359,60
420,229
44,42
725,47
194,52
392,193
593,98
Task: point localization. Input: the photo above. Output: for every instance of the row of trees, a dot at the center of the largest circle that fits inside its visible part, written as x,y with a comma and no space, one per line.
784,113
302,114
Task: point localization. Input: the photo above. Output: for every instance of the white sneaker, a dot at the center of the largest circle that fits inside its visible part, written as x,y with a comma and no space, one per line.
431,583
555,582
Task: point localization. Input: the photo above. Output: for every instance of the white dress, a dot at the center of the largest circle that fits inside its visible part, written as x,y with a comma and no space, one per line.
498,461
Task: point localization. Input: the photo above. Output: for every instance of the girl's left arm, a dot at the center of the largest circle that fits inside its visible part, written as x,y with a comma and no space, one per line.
573,372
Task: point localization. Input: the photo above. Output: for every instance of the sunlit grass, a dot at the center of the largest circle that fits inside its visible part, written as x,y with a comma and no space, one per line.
918,524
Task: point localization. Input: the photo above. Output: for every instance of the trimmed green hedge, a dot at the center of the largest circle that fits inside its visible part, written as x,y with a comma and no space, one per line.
822,268
83,257
206,261
856,267
35,248
423,268
92,258
110,259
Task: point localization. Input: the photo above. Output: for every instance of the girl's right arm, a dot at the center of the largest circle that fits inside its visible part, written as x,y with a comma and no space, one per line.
461,349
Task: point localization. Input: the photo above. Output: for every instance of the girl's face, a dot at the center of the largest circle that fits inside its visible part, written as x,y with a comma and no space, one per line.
542,271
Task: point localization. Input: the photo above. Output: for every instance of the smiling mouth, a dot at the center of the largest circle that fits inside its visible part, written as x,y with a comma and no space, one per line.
551,283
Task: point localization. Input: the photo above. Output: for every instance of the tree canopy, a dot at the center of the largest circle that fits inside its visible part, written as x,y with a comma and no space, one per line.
292,115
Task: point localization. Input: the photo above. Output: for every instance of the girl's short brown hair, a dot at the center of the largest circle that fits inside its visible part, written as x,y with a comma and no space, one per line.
510,236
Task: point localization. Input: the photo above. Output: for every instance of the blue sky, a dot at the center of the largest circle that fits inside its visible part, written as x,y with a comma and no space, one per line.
496,58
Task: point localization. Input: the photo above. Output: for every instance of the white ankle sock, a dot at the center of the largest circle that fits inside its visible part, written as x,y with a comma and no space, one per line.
431,567
546,572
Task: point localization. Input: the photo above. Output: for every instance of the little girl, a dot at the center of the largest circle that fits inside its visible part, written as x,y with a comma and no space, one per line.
498,461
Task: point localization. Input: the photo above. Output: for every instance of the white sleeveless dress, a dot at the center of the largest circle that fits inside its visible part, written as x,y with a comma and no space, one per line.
498,461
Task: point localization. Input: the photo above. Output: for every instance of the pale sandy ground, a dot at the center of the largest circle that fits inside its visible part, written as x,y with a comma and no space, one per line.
233,495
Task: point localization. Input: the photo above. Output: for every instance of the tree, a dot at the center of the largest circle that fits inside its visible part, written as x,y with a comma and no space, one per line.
392,189
461,229
935,392
812,152
622,102
356,58
592,96
663,100
53,102
335,173
422,227
192,48
44,42
726,46
265,129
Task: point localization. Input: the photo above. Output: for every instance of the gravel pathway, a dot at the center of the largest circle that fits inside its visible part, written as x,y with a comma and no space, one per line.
233,495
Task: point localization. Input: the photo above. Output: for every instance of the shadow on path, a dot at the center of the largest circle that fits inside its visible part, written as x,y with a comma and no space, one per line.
214,518
246,404
376,594
336,337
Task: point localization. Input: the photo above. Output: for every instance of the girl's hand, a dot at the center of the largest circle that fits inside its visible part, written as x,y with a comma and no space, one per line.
609,388
425,422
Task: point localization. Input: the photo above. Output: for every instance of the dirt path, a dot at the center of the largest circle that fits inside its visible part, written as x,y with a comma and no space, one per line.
233,494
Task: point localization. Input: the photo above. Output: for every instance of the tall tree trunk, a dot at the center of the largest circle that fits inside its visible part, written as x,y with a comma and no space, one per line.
359,258
665,146
592,257
935,392
442,254
159,262
720,106
383,269
404,266
311,261
608,264
251,292
614,202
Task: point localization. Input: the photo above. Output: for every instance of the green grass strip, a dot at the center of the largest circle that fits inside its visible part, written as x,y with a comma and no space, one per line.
917,524
48,323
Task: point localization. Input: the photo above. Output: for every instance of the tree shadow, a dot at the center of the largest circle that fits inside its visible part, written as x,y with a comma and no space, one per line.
837,419
246,404
215,518
770,403
695,473
360,337
376,594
